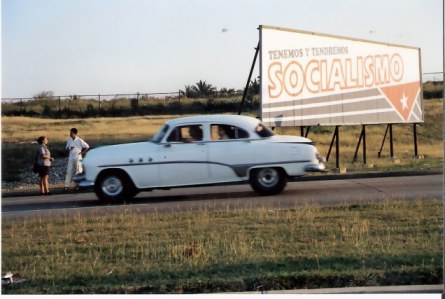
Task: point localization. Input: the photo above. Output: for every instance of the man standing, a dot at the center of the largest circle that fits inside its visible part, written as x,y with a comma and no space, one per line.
76,147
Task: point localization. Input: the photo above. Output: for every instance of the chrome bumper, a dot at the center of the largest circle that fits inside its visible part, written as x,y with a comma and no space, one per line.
81,181
315,168
85,184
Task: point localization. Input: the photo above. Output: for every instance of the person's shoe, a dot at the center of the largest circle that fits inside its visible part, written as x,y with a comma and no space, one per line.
49,193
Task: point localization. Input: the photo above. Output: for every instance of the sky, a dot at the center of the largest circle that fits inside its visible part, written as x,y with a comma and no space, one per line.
154,46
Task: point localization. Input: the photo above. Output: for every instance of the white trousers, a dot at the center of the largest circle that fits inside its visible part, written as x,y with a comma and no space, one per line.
73,166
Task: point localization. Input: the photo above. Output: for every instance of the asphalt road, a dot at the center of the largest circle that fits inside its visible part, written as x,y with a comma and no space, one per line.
322,192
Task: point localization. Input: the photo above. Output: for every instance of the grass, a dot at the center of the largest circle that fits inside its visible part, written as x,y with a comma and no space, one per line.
22,129
18,133
390,243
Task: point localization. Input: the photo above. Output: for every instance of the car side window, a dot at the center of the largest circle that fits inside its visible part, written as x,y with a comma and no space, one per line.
186,134
224,132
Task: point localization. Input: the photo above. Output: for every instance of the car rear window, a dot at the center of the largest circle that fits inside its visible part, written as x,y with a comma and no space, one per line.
225,132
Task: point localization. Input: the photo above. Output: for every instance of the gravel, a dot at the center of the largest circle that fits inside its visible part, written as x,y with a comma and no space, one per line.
30,180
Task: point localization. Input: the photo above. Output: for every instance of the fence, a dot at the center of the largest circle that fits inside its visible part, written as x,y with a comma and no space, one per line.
121,104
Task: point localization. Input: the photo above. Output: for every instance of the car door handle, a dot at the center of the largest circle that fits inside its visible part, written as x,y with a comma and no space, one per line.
201,143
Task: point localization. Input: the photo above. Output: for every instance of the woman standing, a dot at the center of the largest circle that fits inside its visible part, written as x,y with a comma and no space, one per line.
44,160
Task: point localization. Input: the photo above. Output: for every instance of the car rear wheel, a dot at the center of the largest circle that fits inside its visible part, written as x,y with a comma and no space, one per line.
114,186
267,181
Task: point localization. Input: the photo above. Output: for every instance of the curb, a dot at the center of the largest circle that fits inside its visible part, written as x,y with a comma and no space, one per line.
368,175
415,289
298,179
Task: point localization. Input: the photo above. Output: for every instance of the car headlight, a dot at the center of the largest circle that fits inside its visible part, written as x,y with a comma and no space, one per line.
320,158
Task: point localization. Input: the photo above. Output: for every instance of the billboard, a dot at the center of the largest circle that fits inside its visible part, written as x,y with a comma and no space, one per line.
317,79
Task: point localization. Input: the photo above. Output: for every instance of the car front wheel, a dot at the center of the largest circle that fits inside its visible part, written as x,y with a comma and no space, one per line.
267,181
114,186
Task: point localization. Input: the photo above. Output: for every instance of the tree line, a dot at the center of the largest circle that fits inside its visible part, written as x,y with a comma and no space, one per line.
194,99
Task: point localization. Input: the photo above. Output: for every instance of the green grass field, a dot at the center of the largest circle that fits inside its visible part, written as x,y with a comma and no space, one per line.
232,250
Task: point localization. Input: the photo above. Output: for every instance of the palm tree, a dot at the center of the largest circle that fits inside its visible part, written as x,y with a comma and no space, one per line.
189,92
254,87
203,89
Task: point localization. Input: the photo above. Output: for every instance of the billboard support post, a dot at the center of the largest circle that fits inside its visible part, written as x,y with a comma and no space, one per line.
383,142
307,131
415,140
337,149
248,79
302,131
391,144
364,144
362,137
335,138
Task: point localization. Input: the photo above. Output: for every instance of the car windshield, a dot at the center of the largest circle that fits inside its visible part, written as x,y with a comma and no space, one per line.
263,131
160,134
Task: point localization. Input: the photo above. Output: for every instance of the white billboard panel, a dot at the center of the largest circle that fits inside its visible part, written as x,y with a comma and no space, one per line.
310,79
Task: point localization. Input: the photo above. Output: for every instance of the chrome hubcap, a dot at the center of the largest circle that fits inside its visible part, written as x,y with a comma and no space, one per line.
112,186
268,177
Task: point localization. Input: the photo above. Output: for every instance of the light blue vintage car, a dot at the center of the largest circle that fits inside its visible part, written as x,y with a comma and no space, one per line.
200,150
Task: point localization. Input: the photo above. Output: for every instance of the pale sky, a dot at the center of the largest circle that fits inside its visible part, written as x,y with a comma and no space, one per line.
128,46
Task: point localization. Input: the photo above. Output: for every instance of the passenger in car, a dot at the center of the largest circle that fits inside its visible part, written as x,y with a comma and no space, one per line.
195,133
222,133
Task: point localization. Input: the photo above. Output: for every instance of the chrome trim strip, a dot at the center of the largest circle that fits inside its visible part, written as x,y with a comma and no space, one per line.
239,169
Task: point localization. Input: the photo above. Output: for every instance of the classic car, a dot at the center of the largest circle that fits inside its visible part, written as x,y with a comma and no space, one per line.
200,150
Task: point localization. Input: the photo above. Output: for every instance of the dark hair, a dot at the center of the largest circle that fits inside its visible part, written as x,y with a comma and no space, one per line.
40,139
74,130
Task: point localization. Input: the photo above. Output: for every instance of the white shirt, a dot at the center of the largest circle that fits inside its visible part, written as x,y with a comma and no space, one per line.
78,144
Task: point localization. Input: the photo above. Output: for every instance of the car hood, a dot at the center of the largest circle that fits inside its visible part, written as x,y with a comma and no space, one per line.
119,152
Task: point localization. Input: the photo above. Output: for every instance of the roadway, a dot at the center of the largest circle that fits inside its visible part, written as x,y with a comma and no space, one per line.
327,192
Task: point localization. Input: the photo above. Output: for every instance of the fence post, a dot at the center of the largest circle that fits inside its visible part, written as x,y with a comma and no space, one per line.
60,111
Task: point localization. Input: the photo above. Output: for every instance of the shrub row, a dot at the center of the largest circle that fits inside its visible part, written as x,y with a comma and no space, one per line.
133,108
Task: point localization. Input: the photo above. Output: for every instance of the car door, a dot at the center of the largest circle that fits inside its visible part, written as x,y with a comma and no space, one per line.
184,157
230,153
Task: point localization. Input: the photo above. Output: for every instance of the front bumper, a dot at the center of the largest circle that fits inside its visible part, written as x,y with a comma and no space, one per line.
82,182
321,167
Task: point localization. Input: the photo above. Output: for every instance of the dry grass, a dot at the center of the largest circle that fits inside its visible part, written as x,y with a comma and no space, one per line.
27,129
102,131
227,250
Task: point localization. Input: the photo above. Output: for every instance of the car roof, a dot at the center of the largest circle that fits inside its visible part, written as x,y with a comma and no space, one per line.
239,120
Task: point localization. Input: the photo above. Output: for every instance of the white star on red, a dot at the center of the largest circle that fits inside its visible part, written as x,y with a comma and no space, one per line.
404,101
